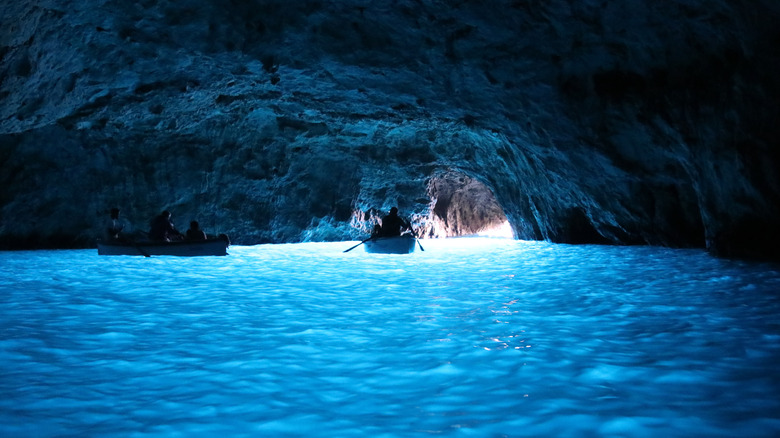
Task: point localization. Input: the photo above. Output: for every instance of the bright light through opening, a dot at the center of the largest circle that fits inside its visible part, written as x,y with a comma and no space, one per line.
503,231
463,206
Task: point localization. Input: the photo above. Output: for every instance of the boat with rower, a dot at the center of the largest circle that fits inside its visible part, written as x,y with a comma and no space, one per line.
183,248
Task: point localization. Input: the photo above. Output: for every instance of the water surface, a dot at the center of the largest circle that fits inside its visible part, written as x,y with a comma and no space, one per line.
472,337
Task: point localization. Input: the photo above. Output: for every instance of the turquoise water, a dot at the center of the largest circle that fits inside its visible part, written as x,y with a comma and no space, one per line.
472,337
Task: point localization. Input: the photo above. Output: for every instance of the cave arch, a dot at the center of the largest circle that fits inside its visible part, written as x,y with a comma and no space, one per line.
463,206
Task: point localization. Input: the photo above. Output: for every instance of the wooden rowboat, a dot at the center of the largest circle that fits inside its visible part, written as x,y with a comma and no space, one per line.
184,248
390,245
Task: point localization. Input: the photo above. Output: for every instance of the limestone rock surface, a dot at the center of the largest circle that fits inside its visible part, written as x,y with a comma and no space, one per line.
634,122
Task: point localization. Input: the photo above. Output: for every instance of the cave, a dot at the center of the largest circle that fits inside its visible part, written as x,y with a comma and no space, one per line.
578,174
272,121
463,206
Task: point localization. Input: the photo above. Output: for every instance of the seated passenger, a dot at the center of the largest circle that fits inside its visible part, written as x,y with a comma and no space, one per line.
392,224
195,233
162,228
115,226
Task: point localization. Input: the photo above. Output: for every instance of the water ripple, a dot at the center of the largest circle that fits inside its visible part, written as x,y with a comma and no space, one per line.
473,336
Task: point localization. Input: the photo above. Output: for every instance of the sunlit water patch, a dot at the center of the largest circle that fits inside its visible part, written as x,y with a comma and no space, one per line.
472,337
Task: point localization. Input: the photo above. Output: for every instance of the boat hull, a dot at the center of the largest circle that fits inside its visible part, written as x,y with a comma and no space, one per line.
390,245
187,248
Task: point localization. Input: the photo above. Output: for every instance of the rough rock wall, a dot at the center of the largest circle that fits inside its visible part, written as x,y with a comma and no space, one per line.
275,121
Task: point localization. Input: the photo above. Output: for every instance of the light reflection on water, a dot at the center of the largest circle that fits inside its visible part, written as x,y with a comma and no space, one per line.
479,337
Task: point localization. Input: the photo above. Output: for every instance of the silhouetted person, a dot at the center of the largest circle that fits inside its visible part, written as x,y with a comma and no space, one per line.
392,224
162,228
195,233
115,226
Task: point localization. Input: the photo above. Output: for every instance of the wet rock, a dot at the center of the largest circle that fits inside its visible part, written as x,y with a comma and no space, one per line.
641,123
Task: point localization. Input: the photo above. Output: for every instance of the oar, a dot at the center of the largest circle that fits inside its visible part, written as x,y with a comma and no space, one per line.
138,247
144,253
416,239
358,245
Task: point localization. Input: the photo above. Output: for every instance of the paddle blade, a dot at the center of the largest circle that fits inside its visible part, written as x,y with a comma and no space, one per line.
348,250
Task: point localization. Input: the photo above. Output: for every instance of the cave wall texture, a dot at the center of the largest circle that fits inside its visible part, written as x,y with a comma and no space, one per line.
631,122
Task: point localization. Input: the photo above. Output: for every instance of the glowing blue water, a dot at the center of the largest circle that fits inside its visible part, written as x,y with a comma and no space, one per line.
513,338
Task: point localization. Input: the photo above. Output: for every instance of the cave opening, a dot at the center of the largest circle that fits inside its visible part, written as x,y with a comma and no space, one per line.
463,206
